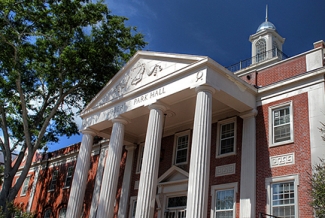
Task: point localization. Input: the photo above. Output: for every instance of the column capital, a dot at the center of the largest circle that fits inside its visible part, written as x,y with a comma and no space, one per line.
88,131
121,120
248,114
130,147
206,88
158,106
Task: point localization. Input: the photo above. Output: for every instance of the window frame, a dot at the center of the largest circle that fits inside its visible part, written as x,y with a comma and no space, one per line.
69,176
61,210
278,107
140,158
50,213
281,179
53,182
223,187
260,48
175,149
219,129
133,206
24,188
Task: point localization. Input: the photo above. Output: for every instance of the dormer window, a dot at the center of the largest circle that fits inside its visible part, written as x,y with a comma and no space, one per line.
260,50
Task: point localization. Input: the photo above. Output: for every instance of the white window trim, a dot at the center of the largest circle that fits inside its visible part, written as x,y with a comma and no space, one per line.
287,178
180,134
132,200
221,187
220,123
65,213
140,158
57,174
271,109
66,177
23,186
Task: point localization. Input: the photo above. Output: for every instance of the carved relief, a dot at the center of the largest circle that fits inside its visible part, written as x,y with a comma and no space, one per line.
155,69
282,160
138,71
225,170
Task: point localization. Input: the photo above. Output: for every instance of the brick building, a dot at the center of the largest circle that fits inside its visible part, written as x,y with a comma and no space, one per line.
184,136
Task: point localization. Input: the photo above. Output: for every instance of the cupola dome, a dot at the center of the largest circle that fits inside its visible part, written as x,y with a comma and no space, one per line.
266,24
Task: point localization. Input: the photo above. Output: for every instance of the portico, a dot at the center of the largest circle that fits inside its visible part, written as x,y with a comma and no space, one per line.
152,96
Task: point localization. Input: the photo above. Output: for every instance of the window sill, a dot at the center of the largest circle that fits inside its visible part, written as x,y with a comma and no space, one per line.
281,143
66,187
52,190
225,155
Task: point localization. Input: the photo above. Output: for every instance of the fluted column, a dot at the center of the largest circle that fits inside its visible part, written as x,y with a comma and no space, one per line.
98,179
122,210
248,166
198,182
79,182
150,163
111,171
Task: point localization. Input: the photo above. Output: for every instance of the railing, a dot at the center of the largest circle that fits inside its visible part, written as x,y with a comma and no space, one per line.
258,59
264,215
175,214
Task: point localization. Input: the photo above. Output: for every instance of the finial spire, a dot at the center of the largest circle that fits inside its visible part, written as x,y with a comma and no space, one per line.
266,17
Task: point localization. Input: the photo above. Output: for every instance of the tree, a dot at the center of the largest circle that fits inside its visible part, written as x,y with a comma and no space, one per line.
318,184
55,56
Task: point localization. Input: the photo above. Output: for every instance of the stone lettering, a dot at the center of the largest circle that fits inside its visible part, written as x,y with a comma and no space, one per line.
148,96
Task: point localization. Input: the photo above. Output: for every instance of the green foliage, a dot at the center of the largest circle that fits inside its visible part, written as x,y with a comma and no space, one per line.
55,57
318,189
16,212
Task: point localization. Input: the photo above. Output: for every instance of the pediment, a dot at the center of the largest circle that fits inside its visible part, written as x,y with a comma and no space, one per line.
174,174
141,71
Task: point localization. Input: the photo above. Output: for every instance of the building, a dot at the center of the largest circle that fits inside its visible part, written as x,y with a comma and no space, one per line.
187,137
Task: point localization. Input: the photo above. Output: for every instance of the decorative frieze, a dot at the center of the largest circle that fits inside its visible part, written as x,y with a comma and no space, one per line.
282,160
224,170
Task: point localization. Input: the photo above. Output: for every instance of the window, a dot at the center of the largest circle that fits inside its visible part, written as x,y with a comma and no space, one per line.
260,50
63,212
227,137
281,124
140,157
133,206
68,178
25,186
53,181
47,213
224,200
181,147
282,196
176,207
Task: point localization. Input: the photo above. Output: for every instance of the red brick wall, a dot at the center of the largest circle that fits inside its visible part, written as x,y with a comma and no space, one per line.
301,148
282,71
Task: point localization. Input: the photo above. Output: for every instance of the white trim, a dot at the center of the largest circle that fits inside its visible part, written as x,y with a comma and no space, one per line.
22,193
287,178
225,186
139,158
177,135
132,200
271,121
69,176
224,122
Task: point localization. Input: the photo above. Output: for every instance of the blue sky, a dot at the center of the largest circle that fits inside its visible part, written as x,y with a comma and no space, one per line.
218,28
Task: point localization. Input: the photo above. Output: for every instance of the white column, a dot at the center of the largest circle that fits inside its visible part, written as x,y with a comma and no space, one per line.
79,182
150,163
198,182
248,166
98,179
112,167
122,210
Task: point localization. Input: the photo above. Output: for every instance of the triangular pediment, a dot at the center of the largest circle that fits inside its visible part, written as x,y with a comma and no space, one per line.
174,174
142,70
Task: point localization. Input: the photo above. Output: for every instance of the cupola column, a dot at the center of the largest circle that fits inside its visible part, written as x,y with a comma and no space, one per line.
112,167
79,182
198,182
150,163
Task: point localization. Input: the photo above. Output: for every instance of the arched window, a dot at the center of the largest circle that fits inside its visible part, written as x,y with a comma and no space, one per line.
47,213
63,212
260,50
275,49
